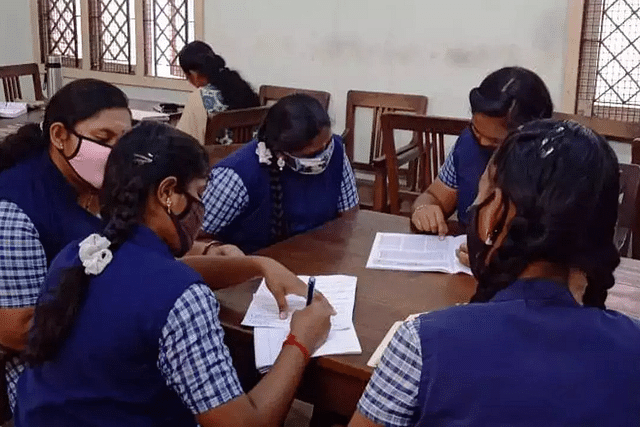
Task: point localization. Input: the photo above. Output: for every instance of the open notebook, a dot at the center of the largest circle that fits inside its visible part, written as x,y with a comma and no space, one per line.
416,252
10,110
270,331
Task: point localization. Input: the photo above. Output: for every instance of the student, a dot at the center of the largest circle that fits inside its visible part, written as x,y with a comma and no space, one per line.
293,178
49,180
504,100
124,334
219,89
524,352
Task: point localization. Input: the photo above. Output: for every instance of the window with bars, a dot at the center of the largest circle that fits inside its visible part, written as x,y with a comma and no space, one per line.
166,26
59,31
609,75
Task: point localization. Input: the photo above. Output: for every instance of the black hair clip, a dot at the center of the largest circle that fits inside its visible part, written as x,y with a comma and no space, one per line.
142,159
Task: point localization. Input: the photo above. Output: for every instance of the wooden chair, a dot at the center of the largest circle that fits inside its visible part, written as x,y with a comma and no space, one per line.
635,151
627,238
426,150
381,103
273,93
612,130
241,125
10,75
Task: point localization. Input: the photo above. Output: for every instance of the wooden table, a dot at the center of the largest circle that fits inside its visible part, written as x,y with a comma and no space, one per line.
335,383
8,126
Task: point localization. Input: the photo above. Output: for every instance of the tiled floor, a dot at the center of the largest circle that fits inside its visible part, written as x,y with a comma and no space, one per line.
300,415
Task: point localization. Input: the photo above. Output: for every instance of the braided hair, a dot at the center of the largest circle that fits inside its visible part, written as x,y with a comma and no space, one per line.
516,93
290,125
141,160
74,103
236,93
563,180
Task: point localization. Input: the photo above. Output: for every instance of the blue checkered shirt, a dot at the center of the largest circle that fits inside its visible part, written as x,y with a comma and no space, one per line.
226,196
391,397
23,266
448,173
194,359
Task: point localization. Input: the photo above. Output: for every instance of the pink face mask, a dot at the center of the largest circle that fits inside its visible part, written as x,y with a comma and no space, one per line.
89,160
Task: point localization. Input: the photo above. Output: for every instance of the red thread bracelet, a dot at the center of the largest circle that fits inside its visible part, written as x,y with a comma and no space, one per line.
292,340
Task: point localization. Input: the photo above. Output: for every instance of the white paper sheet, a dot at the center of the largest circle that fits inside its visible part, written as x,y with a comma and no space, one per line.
340,290
268,343
139,115
416,252
10,110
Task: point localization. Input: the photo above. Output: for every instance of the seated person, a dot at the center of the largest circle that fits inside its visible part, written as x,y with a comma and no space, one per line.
504,100
293,178
524,352
219,89
126,335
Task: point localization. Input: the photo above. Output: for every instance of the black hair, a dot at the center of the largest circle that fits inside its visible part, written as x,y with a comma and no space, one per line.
141,159
563,180
237,93
74,103
290,125
516,93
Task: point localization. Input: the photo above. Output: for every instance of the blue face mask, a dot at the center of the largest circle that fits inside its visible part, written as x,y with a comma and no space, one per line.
311,165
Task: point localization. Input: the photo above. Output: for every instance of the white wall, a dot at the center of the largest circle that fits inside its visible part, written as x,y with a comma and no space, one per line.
16,42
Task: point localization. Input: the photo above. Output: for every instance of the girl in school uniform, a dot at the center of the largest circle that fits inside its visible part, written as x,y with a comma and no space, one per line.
504,100
219,89
126,335
49,180
294,177
524,352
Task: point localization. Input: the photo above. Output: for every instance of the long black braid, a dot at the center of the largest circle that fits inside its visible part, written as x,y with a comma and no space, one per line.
563,180
142,158
289,126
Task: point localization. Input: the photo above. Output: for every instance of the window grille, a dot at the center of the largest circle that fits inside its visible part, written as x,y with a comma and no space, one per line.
169,26
609,75
113,35
59,35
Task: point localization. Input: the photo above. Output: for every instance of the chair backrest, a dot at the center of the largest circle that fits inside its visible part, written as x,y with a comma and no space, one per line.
10,75
426,149
628,225
239,125
612,130
273,93
381,103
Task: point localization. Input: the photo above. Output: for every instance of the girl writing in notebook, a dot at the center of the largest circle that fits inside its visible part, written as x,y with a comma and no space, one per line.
126,335
524,352
294,177
219,88
504,100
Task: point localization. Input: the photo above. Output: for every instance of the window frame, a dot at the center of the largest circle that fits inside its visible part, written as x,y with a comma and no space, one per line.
138,79
570,102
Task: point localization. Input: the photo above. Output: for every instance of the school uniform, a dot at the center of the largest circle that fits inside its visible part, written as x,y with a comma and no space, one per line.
238,202
146,347
532,356
202,102
462,170
39,215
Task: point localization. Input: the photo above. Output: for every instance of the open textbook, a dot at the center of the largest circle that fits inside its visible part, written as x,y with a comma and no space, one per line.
270,331
416,252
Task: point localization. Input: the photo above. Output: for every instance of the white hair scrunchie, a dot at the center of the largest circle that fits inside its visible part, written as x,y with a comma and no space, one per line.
95,254
264,154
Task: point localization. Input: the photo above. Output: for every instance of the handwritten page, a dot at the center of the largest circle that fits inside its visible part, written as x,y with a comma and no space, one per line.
416,252
338,289
139,115
268,343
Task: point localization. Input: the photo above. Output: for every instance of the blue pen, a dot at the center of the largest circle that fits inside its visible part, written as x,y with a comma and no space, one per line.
310,287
